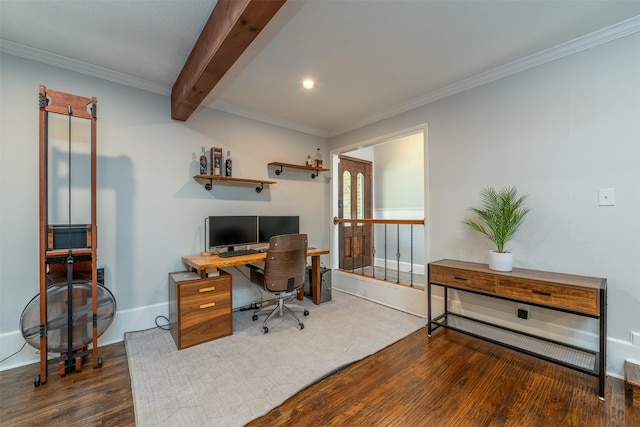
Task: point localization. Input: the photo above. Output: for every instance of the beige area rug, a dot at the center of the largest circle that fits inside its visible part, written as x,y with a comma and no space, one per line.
233,380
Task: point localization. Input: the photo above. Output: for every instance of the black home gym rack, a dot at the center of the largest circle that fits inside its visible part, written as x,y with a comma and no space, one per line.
67,251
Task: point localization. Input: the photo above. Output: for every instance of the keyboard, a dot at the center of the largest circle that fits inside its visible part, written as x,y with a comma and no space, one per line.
241,252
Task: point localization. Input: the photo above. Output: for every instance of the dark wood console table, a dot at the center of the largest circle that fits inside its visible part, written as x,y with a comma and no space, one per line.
580,295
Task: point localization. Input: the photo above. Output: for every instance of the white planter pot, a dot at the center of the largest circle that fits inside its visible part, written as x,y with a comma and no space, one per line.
500,261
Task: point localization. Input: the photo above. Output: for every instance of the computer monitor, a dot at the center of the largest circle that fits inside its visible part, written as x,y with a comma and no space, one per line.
233,230
269,226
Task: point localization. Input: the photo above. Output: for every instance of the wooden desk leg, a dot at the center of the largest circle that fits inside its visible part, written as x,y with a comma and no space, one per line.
315,279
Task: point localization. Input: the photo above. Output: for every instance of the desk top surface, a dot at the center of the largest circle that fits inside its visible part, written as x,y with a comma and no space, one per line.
203,262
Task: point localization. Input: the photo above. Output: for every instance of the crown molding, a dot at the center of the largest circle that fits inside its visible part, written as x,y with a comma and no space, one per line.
63,62
60,61
605,35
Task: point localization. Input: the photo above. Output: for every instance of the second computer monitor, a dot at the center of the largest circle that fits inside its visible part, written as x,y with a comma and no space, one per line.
269,226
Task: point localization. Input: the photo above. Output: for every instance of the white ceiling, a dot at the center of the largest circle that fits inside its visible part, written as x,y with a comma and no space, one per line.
370,59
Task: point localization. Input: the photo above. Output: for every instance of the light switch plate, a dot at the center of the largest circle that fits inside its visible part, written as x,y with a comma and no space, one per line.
606,197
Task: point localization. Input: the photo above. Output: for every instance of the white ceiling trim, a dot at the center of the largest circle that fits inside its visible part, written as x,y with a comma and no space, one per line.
596,38
562,50
66,63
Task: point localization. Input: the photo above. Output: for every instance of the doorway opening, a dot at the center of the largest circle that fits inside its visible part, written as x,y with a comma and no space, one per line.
379,211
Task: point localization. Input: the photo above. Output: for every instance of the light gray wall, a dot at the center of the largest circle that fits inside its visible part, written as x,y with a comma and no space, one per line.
399,178
559,132
399,194
150,209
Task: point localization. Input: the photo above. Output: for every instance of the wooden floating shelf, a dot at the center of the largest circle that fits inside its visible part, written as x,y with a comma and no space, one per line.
228,179
299,167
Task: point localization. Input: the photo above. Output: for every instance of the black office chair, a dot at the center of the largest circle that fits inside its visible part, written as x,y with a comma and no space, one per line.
283,275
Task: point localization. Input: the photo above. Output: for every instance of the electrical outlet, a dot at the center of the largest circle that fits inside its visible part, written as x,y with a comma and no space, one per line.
523,311
606,197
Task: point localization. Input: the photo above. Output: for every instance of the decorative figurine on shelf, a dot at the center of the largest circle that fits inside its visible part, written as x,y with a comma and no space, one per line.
227,164
309,162
317,160
216,161
203,163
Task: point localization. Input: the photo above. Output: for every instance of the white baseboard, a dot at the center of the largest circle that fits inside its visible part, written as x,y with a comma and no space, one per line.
145,318
409,300
623,350
124,321
404,266
135,319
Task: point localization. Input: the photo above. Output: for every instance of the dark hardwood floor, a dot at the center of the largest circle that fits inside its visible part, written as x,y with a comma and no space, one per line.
91,397
451,379
447,380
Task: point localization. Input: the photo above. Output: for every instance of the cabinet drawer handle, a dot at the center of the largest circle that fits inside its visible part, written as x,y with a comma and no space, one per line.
460,278
211,304
212,288
548,294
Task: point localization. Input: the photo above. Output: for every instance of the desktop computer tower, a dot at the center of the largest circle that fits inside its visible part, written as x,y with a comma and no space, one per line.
325,284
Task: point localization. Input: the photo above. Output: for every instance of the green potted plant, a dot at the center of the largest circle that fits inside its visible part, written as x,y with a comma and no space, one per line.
501,215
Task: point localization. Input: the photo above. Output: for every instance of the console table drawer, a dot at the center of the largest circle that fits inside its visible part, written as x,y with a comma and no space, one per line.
579,300
463,279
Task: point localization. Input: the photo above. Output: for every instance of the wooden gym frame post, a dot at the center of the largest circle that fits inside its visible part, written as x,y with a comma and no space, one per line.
51,101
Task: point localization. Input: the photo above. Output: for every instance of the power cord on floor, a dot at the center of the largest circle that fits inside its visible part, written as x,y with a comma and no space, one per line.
253,306
11,355
164,327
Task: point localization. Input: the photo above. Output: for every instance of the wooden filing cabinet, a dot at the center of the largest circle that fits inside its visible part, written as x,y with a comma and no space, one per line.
580,295
199,308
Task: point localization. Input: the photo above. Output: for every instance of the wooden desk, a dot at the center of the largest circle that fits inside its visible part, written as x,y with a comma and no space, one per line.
202,263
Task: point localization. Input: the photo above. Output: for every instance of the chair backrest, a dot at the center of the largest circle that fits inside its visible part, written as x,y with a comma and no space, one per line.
286,262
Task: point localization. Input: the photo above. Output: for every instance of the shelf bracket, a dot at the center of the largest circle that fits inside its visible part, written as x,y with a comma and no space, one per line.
209,186
279,171
259,189
313,176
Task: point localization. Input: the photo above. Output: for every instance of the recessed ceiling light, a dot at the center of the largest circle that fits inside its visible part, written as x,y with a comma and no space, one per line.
308,84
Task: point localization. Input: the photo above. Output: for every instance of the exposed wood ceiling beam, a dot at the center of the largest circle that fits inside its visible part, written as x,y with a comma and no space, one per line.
230,29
